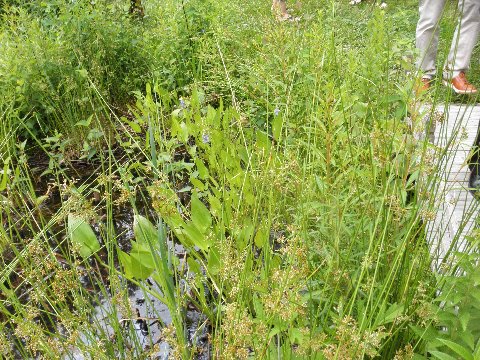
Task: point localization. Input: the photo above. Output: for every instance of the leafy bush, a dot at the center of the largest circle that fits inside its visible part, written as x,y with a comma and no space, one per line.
454,330
60,58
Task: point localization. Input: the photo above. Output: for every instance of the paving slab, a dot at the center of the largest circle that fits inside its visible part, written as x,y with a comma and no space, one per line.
457,209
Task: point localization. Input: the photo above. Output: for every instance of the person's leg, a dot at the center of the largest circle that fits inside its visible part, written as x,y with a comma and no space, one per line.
427,35
464,39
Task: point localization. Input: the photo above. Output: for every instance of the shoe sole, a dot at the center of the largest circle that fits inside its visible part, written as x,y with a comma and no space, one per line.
457,91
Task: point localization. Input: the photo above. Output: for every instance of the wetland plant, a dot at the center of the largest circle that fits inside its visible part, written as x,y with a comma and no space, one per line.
277,188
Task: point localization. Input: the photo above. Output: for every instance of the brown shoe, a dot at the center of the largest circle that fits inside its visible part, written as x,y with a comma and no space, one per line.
460,84
423,86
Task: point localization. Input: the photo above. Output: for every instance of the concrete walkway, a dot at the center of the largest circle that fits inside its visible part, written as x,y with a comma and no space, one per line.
457,209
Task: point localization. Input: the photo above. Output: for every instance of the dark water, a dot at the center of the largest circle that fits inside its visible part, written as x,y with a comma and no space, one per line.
151,314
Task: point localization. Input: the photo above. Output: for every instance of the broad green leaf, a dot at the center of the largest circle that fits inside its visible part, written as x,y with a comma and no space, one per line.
277,124
82,72
262,236
197,184
3,183
85,122
412,178
258,306
441,355
476,354
468,339
296,336
243,155
193,266
464,319
262,141
215,206
429,334
142,253
134,267
457,348
202,169
134,126
40,199
177,113
213,261
176,224
394,311
244,234
274,332
192,233
82,235
201,217
145,232
360,109
419,357
126,264
139,270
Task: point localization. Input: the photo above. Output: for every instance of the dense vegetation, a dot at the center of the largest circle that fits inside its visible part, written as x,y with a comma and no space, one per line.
276,176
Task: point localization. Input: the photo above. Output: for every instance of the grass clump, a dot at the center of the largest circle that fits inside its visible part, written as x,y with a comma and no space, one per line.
265,179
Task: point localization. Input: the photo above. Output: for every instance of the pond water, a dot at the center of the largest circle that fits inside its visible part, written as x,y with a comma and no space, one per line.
151,314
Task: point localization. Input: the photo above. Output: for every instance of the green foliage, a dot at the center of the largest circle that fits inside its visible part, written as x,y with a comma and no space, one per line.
60,58
140,263
275,156
455,329
238,177
82,236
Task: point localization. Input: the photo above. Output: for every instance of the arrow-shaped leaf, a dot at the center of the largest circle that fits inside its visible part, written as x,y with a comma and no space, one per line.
85,122
82,235
144,230
192,233
201,217
459,349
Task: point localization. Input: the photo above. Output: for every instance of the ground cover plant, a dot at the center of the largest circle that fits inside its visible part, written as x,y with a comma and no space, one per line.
271,184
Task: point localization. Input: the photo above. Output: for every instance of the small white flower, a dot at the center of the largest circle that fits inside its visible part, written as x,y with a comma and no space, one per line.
383,5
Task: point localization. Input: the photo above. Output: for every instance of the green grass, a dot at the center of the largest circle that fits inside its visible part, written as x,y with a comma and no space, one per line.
276,154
